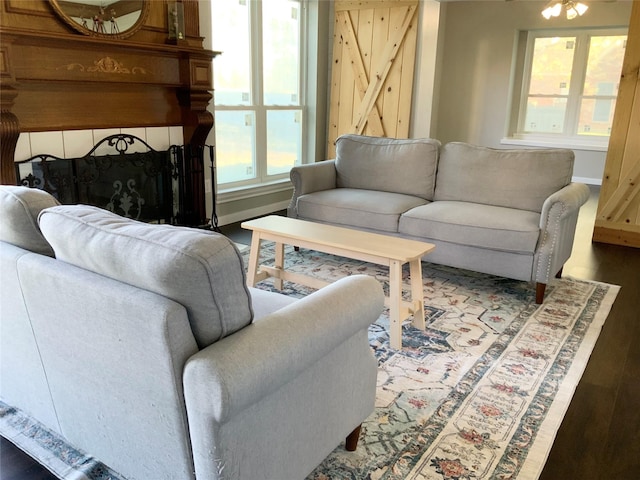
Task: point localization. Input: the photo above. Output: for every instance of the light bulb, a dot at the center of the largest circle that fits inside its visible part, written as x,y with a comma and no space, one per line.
581,8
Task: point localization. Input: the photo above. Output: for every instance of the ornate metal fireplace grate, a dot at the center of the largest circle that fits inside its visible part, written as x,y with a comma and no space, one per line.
123,174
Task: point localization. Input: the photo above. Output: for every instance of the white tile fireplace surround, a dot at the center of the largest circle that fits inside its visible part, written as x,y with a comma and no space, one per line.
77,143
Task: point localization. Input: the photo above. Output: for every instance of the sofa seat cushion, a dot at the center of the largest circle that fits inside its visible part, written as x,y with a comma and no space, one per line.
203,271
19,209
406,166
265,303
516,178
357,208
474,224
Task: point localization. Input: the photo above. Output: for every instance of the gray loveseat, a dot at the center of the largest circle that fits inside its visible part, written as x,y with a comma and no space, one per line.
142,346
510,213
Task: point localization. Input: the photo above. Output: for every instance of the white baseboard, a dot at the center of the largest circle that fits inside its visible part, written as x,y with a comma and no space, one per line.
252,213
587,180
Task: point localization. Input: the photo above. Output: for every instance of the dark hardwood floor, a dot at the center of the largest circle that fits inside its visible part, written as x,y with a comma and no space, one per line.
17,465
600,436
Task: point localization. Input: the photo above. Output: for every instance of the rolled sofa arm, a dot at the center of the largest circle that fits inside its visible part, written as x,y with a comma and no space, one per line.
312,177
569,200
558,221
239,370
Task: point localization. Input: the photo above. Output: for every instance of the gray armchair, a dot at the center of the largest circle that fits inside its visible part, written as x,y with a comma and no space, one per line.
153,355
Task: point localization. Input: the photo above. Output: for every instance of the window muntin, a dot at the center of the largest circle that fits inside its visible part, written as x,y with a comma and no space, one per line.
259,110
570,84
230,33
235,137
284,145
601,84
281,53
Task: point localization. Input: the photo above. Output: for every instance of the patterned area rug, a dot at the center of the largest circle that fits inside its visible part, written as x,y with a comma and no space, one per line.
479,395
482,392
49,449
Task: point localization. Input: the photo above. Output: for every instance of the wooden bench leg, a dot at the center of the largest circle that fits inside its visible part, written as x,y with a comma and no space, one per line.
540,288
395,304
417,294
559,274
352,440
254,257
279,264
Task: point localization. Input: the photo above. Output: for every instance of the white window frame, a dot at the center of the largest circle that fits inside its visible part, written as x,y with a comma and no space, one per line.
570,138
263,183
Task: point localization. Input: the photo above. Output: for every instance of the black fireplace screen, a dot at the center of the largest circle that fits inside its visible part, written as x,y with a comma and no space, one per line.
123,174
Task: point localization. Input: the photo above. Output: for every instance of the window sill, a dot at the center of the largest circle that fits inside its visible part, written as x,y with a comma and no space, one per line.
571,143
249,191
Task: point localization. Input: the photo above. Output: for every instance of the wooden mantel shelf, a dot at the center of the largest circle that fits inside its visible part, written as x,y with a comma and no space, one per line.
54,78
100,42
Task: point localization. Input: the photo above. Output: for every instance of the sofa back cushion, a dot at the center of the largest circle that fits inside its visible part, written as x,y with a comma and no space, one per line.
19,209
520,179
405,166
201,270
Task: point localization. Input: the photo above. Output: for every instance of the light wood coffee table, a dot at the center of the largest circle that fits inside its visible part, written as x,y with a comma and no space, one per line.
393,252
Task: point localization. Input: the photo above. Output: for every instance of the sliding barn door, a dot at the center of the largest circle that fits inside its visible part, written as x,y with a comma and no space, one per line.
372,71
618,218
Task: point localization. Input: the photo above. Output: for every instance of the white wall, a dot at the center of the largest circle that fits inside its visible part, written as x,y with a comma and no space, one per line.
425,98
470,97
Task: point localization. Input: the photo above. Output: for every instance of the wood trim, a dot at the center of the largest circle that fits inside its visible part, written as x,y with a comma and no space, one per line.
28,7
622,197
201,74
618,216
191,17
616,236
9,134
6,72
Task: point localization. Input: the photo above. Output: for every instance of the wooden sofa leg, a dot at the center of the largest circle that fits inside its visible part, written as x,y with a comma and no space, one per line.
540,288
297,249
352,440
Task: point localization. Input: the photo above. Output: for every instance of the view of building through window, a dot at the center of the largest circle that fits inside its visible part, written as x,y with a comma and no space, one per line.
258,98
573,84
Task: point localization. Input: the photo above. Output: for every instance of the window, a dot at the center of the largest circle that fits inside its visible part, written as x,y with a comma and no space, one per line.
259,99
569,86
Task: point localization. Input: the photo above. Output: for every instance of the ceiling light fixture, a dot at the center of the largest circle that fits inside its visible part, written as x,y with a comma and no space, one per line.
572,9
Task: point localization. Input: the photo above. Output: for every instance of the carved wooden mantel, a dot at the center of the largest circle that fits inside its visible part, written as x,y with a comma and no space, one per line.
54,78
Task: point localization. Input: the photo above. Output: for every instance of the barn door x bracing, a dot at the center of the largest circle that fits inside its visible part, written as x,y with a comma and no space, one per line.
372,71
